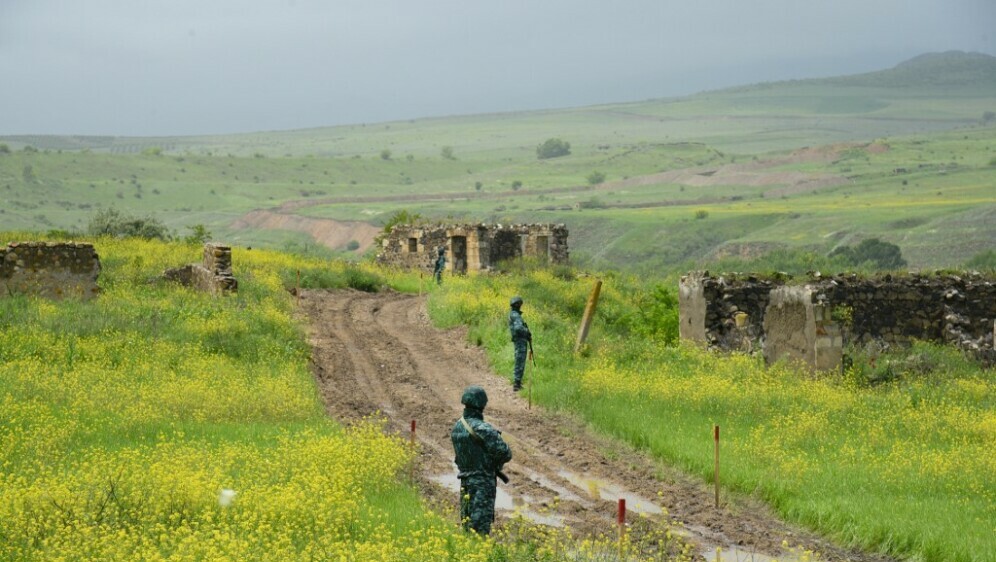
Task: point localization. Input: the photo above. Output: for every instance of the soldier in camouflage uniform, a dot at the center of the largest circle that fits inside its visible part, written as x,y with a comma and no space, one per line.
480,454
440,265
521,338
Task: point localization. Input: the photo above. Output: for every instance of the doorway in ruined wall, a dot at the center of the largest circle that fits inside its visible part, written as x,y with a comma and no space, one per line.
458,245
543,248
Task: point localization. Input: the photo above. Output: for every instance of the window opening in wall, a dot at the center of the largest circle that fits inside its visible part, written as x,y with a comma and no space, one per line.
413,245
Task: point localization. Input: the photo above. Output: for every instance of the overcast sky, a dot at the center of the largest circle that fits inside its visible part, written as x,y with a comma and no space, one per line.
171,67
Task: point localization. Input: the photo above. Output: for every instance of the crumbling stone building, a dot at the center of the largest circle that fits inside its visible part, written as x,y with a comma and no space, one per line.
473,247
52,270
813,319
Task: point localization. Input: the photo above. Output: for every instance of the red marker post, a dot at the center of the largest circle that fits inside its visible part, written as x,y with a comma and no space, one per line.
413,448
715,434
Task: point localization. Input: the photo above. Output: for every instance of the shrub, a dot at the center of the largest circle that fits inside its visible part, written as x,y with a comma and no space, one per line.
111,222
447,153
552,148
352,246
516,185
701,214
385,154
361,280
596,177
199,234
883,255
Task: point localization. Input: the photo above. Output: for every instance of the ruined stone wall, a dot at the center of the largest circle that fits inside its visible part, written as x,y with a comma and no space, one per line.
708,307
411,247
212,275
473,247
958,309
49,269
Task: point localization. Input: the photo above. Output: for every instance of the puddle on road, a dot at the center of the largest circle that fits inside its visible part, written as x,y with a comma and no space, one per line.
603,489
562,492
737,555
452,483
728,553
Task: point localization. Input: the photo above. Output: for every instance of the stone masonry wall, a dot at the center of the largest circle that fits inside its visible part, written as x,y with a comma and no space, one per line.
50,270
957,309
708,307
473,247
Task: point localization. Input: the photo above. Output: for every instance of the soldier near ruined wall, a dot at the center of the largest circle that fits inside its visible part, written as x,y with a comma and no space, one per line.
437,271
521,339
480,455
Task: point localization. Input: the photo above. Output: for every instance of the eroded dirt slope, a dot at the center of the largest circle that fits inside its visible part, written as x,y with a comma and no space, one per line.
378,352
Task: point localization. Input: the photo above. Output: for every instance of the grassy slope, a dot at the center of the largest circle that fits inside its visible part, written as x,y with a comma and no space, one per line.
199,181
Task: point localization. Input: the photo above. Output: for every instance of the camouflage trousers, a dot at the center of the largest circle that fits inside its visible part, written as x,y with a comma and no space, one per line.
477,502
521,350
438,276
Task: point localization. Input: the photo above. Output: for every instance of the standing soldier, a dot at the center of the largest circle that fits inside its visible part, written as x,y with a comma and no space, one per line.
480,455
521,339
437,272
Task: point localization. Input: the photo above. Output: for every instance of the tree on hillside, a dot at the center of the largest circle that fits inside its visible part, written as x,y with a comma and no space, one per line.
552,148
447,153
4,149
385,154
881,254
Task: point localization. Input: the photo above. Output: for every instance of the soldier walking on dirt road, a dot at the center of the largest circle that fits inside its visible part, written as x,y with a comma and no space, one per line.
480,455
521,338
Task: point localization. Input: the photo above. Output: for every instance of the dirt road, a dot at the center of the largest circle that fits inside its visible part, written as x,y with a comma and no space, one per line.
378,352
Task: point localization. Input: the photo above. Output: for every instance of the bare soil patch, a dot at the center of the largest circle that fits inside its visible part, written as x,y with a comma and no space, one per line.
331,233
379,352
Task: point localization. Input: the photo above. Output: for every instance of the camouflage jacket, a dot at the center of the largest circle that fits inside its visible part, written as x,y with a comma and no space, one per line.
485,457
518,327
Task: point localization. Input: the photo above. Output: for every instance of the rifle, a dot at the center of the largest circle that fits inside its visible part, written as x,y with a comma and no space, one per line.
531,353
501,475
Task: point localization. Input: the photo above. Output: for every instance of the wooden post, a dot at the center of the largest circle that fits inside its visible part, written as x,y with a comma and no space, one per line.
413,433
530,390
715,434
621,522
589,312
297,293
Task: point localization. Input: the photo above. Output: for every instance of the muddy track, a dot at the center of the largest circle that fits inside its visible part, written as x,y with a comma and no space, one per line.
378,352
